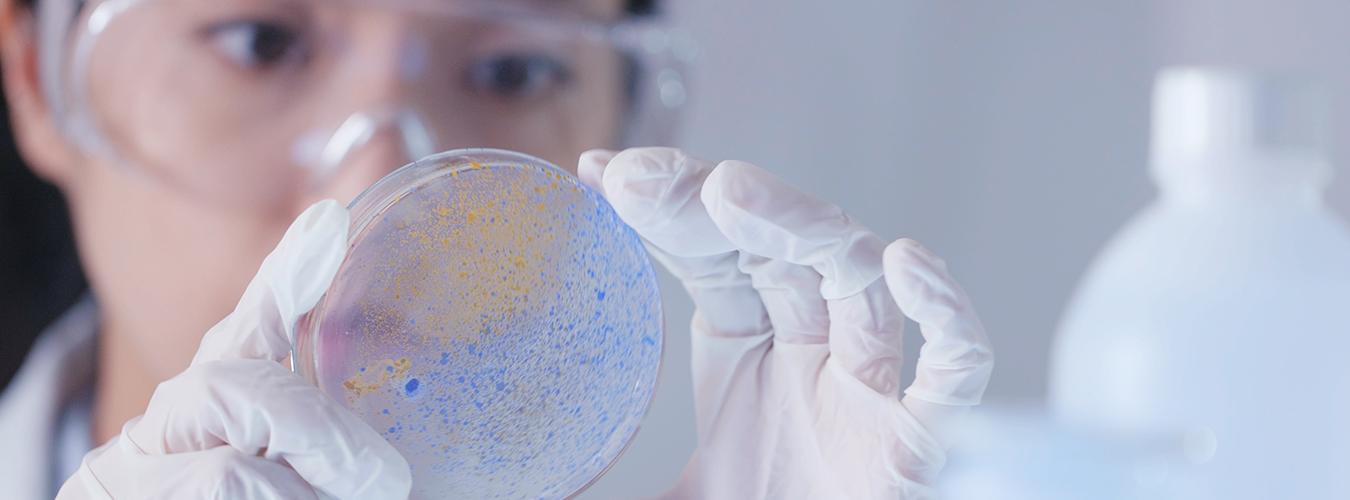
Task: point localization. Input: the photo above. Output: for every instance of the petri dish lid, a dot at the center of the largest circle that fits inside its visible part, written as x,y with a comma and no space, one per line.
495,320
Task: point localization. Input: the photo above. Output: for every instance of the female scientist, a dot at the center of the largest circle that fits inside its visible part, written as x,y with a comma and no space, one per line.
186,136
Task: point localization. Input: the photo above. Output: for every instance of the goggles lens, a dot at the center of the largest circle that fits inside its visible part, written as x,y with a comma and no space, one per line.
249,98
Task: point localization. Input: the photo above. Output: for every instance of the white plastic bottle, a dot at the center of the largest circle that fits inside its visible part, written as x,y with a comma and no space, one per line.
1221,314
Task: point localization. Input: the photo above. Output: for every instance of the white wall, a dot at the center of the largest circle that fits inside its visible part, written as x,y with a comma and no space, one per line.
1010,137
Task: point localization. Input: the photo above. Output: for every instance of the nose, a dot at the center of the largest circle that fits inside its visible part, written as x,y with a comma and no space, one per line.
380,130
366,146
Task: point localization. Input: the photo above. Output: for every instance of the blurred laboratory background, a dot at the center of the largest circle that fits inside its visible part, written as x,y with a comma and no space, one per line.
1012,138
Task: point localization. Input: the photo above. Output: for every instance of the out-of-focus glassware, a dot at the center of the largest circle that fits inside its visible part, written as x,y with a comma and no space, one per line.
1218,314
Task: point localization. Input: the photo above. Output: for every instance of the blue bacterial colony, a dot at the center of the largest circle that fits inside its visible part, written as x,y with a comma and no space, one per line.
497,321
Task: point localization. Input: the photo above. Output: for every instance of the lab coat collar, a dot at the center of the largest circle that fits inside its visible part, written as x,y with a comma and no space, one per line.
58,367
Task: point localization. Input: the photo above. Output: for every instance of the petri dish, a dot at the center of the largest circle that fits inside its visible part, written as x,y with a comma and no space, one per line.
495,320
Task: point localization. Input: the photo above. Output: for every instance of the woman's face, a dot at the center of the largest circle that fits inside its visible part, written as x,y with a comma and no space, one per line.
203,128
218,96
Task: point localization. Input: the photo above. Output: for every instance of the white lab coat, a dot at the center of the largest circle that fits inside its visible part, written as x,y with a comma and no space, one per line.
44,412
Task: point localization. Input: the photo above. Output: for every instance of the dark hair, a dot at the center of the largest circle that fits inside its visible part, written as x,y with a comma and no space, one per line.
40,275
635,7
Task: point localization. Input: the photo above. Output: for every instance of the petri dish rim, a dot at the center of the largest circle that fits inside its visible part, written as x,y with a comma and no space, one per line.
375,200
398,184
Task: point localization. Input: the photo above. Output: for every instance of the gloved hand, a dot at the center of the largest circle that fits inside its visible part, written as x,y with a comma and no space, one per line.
796,338
237,424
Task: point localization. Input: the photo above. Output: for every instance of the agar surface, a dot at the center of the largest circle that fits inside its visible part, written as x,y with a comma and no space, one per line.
504,333
376,375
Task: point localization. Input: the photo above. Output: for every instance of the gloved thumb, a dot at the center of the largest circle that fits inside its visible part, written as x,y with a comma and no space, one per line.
957,358
288,284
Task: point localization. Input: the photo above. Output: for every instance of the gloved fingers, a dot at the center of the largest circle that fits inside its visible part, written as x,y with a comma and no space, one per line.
220,472
227,473
917,456
759,213
288,284
791,299
259,408
799,324
762,215
728,375
591,168
724,299
866,331
869,423
656,191
957,358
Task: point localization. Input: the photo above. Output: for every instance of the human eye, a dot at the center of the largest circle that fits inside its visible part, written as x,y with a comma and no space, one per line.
518,75
256,44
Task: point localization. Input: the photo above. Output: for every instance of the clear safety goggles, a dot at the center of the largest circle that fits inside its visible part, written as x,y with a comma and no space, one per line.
250,99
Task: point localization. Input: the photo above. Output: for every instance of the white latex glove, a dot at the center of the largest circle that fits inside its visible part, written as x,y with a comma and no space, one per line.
237,424
796,338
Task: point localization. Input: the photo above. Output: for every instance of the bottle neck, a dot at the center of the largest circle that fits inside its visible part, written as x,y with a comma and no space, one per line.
1273,179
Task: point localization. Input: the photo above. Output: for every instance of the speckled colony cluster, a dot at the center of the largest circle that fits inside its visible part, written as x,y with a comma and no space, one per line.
499,325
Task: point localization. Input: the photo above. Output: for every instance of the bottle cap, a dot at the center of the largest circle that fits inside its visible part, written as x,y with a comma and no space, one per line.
1216,127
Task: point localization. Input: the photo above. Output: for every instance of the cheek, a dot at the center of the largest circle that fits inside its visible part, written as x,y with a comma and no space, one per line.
180,115
164,266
